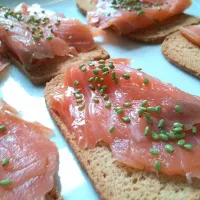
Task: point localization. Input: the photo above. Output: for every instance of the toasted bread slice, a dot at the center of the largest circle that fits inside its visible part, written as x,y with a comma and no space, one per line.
182,53
55,66
53,195
155,34
116,181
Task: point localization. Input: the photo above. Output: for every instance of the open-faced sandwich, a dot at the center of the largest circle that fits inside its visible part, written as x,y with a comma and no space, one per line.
42,43
183,49
28,159
136,137
147,21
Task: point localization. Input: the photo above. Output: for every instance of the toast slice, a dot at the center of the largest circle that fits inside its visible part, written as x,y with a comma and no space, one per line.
53,195
155,34
114,180
182,53
55,66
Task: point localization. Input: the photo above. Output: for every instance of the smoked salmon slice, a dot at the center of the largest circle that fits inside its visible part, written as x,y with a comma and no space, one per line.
129,16
192,33
28,159
32,34
147,124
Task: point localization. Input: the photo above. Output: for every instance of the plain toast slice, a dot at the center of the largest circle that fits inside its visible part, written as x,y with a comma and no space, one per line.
182,53
114,180
57,65
155,34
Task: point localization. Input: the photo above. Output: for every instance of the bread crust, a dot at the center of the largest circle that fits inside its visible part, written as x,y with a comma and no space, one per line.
115,181
57,65
155,34
182,53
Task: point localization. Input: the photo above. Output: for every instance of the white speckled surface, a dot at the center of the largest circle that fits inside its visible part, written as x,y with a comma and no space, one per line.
18,91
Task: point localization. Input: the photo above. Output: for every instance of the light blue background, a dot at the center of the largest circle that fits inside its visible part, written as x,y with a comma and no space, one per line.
17,90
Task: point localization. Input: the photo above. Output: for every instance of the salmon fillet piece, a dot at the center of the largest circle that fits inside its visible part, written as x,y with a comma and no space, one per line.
147,124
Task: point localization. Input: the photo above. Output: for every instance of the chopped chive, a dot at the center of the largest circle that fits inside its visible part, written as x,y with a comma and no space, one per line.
105,69
57,22
91,63
96,79
163,132
82,65
169,148
139,69
179,135
99,86
92,87
79,100
108,104
126,119
126,76
178,130
146,81
140,12
96,100
2,128
83,68
181,143
144,103
113,75
157,165
118,110
77,91
148,118
146,130
91,79
178,109
177,124
49,37
81,107
106,97
151,109
155,135
158,109
105,73
161,124
112,128
76,82
194,129
188,146
101,66
127,104
101,79
154,151
95,71
78,96
141,111
116,80
101,91
5,161
105,87
5,182
163,137
101,61
36,37
111,65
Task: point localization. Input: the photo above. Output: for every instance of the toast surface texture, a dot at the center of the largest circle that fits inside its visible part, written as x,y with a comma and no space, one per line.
182,53
42,74
155,34
53,195
116,181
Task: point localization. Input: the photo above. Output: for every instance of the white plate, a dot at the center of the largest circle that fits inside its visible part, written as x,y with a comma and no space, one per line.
18,91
